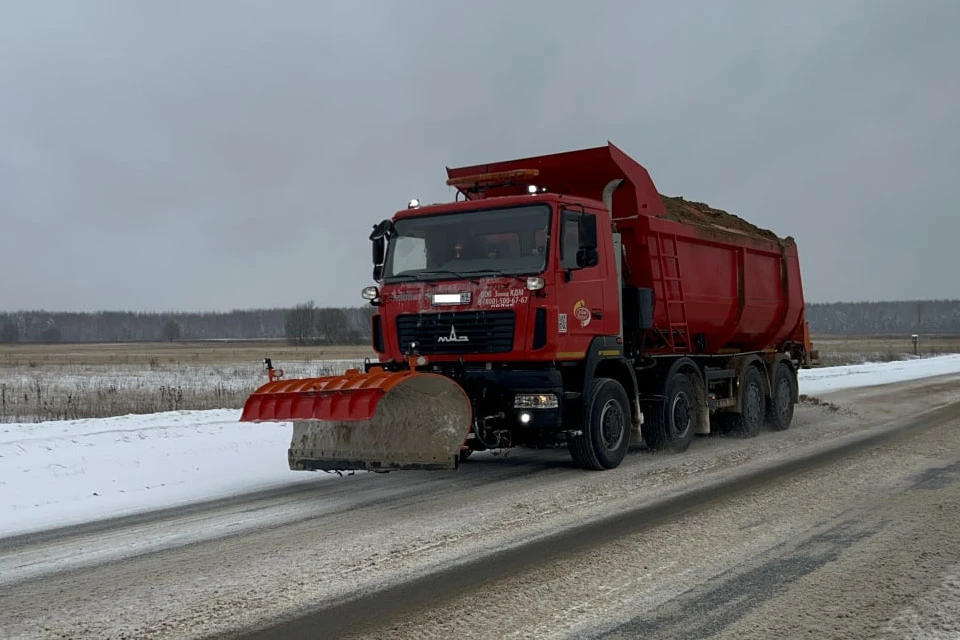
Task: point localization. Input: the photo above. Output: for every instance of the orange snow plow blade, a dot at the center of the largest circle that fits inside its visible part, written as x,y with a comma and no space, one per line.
367,421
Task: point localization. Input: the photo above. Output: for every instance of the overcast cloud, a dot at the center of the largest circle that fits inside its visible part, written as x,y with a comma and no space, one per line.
231,154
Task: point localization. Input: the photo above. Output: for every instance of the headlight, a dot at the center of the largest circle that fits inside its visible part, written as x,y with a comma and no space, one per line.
535,401
535,283
370,293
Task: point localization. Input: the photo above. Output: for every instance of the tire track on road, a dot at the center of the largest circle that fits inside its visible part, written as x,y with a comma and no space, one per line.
728,598
33,556
368,610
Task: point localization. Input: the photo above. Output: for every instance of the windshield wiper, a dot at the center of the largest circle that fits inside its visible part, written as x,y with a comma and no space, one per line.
437,272
419,275
470,274
403,277
495,272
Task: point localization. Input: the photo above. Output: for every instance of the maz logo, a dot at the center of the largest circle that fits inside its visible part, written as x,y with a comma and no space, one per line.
453,337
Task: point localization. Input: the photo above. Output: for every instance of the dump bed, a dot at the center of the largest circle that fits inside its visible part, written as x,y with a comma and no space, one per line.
717,288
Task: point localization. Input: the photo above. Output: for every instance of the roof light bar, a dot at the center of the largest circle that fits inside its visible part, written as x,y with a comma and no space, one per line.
487,179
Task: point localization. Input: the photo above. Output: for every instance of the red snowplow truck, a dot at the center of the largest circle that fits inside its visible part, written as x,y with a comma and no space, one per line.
558,300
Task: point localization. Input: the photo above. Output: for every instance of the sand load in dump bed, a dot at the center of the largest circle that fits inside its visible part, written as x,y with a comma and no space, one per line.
699,213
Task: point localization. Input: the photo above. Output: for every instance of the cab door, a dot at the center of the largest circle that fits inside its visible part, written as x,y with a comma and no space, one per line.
581,289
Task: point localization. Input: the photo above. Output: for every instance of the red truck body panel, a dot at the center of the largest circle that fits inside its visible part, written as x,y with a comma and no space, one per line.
739,293
717,290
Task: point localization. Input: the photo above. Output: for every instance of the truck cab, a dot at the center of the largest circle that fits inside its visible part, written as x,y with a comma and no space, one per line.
542,264
511,296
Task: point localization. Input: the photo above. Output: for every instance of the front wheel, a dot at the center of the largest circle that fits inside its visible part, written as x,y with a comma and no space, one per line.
605,436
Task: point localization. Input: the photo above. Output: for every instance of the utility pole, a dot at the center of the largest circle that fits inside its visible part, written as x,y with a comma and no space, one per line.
916,336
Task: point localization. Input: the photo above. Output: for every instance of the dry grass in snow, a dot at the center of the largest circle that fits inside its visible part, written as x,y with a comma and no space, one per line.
67,382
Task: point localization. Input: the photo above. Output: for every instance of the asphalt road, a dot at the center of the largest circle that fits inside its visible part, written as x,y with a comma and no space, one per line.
842,525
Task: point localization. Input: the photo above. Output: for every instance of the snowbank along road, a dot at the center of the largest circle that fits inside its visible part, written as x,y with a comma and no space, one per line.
734,538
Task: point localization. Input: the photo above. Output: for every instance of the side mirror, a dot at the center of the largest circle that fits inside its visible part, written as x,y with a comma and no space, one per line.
379,255
379,251
382,230
379,236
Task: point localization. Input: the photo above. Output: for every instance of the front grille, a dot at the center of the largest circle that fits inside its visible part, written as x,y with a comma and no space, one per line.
457,332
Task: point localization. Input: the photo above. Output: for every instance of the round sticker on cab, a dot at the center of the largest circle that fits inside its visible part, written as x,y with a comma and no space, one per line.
582,313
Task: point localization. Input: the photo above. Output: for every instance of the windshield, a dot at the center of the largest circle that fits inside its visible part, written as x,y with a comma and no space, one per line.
509,241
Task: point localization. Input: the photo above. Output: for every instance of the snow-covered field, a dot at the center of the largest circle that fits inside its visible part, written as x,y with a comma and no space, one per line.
65,472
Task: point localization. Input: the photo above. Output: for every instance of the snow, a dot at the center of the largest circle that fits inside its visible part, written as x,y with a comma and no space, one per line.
828,379
68,472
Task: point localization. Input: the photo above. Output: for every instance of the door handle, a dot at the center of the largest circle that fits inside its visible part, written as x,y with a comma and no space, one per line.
597,313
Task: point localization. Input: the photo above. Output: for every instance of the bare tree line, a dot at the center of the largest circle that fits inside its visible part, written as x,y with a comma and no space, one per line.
308,323
914,316
304,324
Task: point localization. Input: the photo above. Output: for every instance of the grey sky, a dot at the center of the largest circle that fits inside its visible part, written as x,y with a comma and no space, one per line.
222,154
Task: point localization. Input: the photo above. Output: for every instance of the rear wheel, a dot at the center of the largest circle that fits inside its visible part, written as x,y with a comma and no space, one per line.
675,419
605,433
749,421
780,408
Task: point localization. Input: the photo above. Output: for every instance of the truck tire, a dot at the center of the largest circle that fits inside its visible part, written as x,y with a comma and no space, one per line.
605,434
780,408
675,419
749,422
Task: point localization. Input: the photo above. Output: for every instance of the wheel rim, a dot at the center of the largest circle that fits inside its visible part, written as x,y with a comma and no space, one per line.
681,415
611,424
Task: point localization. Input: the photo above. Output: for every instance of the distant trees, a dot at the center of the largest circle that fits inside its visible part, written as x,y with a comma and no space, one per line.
300,323
304,324
9,332
131,326
924,316
308,323
50,332
334,328
171,330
